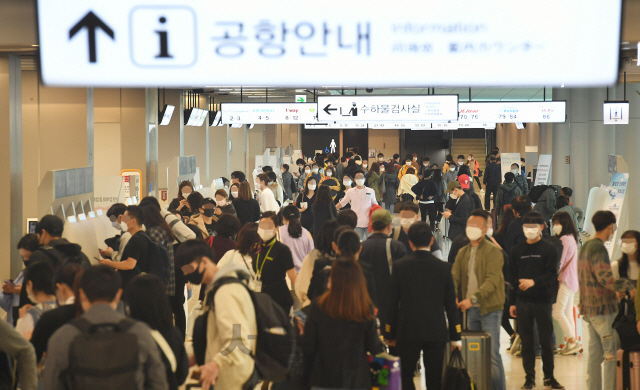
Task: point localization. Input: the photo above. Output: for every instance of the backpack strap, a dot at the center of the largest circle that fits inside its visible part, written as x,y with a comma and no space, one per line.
166,349
55,255
84,326
396,232
389,258
172,223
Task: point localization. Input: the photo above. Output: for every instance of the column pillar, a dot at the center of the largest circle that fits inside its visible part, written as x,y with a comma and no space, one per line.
601,139
561,136
545,138
579,146
90,121
151,137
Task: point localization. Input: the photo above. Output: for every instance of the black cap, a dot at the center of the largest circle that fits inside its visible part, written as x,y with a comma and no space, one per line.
206,201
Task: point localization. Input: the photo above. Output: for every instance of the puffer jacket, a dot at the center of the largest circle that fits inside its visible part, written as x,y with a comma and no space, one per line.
521,181
546,204
499,201
391,183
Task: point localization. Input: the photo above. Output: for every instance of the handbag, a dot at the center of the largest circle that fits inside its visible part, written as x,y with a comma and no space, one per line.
385,372
626,326
456,376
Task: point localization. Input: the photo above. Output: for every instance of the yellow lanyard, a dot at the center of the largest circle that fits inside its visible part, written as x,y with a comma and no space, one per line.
259,273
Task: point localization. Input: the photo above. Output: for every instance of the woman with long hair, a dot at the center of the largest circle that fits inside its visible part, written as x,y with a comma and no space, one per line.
247,208
340,330
180,202
627,265
500,235
323,250
160,232
330,180
147,302
346,185
248,238
474,168
295,236
564,228
409,179
441,199
305,203
323,208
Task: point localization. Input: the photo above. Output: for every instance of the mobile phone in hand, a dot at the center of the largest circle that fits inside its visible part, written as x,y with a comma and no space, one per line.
10,282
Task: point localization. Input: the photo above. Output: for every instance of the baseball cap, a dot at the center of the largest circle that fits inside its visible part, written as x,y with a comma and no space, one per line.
207,201
381,215
452,184
464,181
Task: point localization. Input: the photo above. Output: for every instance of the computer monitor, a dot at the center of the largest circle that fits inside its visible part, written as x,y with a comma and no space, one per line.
166,113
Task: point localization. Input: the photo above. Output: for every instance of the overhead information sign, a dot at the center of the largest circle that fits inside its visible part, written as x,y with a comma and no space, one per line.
512,112
268,113
615,113
141,43
380,108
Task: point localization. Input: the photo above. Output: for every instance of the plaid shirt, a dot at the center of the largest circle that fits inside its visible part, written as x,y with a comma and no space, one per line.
597,284
160,237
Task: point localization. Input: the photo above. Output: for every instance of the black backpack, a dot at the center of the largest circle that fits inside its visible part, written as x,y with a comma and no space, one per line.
508,196
158,260
275,342
63,254
537,191
88,368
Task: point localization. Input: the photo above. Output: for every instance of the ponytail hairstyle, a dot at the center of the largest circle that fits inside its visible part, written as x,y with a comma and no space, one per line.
292,214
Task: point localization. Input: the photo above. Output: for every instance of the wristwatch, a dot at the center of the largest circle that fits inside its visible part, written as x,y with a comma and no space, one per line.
474,300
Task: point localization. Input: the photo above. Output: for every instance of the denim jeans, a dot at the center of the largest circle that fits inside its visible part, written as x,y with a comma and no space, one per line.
490,323
603,344
363,232
388,206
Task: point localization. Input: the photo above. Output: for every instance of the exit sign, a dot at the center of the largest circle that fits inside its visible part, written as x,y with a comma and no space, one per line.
301,98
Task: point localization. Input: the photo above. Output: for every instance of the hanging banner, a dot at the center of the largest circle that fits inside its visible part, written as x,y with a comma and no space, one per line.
543,175
617,190
506,160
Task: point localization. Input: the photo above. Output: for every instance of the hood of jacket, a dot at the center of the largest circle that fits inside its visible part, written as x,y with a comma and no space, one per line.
65,247
508,186
232,270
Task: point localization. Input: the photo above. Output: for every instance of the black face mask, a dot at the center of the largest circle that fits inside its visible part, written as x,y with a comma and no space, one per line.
208,212
195,277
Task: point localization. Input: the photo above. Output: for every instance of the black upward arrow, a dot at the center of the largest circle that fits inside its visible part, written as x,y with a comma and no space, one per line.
327,109
91,22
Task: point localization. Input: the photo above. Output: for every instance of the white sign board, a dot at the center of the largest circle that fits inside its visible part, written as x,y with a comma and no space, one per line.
614,202
336,125
380,108
615,113
268,113
140,43
543,174
506,160
512,112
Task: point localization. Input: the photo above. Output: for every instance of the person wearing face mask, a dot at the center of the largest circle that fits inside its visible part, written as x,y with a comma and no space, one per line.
373,179
204,219
534,276
288,182
409,214
300,171
305,204
11,298
507,191
408,181
347,184
427,191
405,168
247,208
520,180
224,206
598,301
491,180
361,199
568,277
562,205
55,249
180,202
267,200
461,160
627,265
425,165
474,167
115,213
414,162
315,174
38,283
231,307
457,218
295,236
448,162
233,191
391,185
303,177
381,161
272,263
330,180
479,281
451,172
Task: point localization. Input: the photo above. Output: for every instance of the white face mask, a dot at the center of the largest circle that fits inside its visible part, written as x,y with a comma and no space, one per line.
629,248
453,195
221,203
381,160
307,171
452,169
460,162
266,235
328,173
116,225
531,233
382,168
514,171
406,222
557,229
473,233
312,187
490,232
347,183
415,159
364,166
185,194
315,170
408,163
360,182
425,164
234,194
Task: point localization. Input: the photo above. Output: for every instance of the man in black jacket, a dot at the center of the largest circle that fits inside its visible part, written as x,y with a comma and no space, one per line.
421,291
492,179
458,218
515,235
380,260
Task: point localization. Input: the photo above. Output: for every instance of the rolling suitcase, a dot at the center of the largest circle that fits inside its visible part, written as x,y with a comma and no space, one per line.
627,370
476,352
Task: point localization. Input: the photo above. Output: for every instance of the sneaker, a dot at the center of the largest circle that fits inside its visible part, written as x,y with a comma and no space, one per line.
529,384
519,354
571,349
552,383
538,356
511,343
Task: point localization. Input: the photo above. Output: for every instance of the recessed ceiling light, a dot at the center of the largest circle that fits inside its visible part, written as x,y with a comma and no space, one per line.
35,45
625,43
